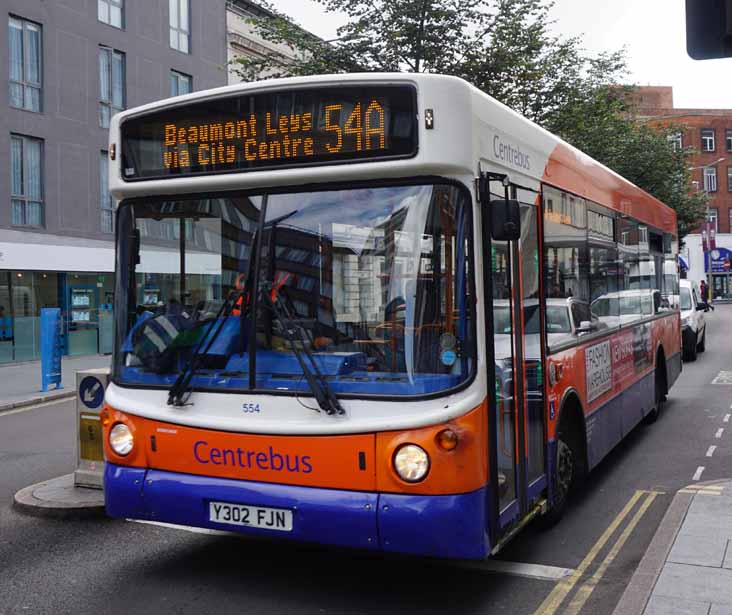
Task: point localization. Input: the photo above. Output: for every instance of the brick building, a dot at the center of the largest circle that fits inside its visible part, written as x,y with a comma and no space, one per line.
709,133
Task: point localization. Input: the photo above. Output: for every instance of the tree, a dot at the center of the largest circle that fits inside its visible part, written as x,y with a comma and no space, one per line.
505,48
603,123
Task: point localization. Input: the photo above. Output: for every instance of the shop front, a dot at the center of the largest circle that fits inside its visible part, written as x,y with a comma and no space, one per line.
85,300
43,271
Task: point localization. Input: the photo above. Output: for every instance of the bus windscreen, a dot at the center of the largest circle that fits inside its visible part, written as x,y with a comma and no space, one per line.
272,129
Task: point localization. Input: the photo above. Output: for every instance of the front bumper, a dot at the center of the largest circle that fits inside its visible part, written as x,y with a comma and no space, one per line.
450,526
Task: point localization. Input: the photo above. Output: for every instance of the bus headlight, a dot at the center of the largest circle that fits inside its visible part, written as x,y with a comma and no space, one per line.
411,463
120,439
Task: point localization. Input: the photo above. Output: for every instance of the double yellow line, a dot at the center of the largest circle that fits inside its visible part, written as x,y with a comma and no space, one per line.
555,599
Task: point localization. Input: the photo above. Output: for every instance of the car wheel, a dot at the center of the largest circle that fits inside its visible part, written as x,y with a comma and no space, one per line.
702,344
690,351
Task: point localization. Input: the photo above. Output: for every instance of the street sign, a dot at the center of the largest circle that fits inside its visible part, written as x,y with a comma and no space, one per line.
90,387
91,392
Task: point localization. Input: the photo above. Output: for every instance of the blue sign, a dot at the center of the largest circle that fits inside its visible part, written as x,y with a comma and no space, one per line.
91,392
50,348
448,357
721,261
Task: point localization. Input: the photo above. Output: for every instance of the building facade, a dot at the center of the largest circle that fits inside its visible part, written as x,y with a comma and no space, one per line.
244,41
70,65
709,133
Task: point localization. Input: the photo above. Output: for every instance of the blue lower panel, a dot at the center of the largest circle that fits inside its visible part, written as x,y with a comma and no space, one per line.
607,425
439,526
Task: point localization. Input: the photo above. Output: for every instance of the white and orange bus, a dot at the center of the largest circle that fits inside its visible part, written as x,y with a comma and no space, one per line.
381,311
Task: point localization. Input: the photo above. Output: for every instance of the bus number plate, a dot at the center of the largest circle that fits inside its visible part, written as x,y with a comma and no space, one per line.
251,516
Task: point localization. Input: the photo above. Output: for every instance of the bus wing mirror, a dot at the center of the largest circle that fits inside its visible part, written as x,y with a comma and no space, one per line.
505,219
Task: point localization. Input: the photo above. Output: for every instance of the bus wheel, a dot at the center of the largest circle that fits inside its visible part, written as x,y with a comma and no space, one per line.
659,381
568,472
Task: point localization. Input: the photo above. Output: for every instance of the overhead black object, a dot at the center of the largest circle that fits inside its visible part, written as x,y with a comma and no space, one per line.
709,29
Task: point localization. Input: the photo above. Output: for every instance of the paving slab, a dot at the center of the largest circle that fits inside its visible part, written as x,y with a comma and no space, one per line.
720,609
699,550
660,605
712,585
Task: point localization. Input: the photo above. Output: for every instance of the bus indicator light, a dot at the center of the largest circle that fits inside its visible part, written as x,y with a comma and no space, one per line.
447,439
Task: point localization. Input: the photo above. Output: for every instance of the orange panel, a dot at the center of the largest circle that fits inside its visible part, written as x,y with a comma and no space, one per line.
322,461
461,470
578,173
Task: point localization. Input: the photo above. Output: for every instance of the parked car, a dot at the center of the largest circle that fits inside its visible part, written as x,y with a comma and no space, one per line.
693,324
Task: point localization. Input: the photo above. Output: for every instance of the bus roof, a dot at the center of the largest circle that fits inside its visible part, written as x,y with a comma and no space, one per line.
498,139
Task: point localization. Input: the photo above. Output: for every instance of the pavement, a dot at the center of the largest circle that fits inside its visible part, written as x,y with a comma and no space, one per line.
20,383
58,497
687,568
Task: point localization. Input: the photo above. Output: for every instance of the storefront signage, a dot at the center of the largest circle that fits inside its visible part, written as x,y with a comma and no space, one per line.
721,260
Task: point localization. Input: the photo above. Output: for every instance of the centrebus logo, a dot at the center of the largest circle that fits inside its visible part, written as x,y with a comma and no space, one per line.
247,459
511,154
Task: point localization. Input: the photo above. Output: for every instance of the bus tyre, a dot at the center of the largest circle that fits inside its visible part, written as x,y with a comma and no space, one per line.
568,472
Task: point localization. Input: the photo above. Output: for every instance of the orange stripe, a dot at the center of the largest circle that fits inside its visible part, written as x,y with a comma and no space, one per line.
316,461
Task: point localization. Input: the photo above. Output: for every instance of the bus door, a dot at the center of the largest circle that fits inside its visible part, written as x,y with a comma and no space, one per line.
516,418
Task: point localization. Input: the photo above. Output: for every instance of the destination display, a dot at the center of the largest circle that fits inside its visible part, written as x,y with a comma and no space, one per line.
256,131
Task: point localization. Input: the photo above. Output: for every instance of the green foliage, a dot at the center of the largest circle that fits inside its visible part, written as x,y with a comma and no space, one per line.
505,48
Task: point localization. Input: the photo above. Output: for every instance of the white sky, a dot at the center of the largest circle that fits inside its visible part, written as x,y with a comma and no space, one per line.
653,31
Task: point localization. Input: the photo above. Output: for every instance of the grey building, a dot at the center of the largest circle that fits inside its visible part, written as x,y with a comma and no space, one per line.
67,66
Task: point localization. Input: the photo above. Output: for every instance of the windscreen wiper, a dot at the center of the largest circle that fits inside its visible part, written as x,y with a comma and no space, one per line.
177,393
325,397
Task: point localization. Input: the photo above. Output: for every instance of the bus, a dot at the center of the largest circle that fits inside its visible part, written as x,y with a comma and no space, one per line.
357,310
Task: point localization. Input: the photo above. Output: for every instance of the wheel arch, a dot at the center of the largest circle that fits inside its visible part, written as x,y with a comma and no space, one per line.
570,409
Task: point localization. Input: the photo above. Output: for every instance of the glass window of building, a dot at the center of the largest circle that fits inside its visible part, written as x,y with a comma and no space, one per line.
111,12
26,181
707,140
111,84
710,179
713,218
180,83
676,142
105,198
24,53
180,25
729,179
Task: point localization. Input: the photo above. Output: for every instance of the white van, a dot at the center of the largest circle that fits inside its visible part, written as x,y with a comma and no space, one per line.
693,325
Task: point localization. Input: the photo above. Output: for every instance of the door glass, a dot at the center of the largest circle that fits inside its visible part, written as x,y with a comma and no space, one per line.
503,353
533,375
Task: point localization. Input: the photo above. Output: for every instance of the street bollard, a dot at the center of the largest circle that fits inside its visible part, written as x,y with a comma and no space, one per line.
90,387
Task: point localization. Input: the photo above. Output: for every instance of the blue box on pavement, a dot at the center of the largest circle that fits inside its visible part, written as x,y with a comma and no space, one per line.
50,348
